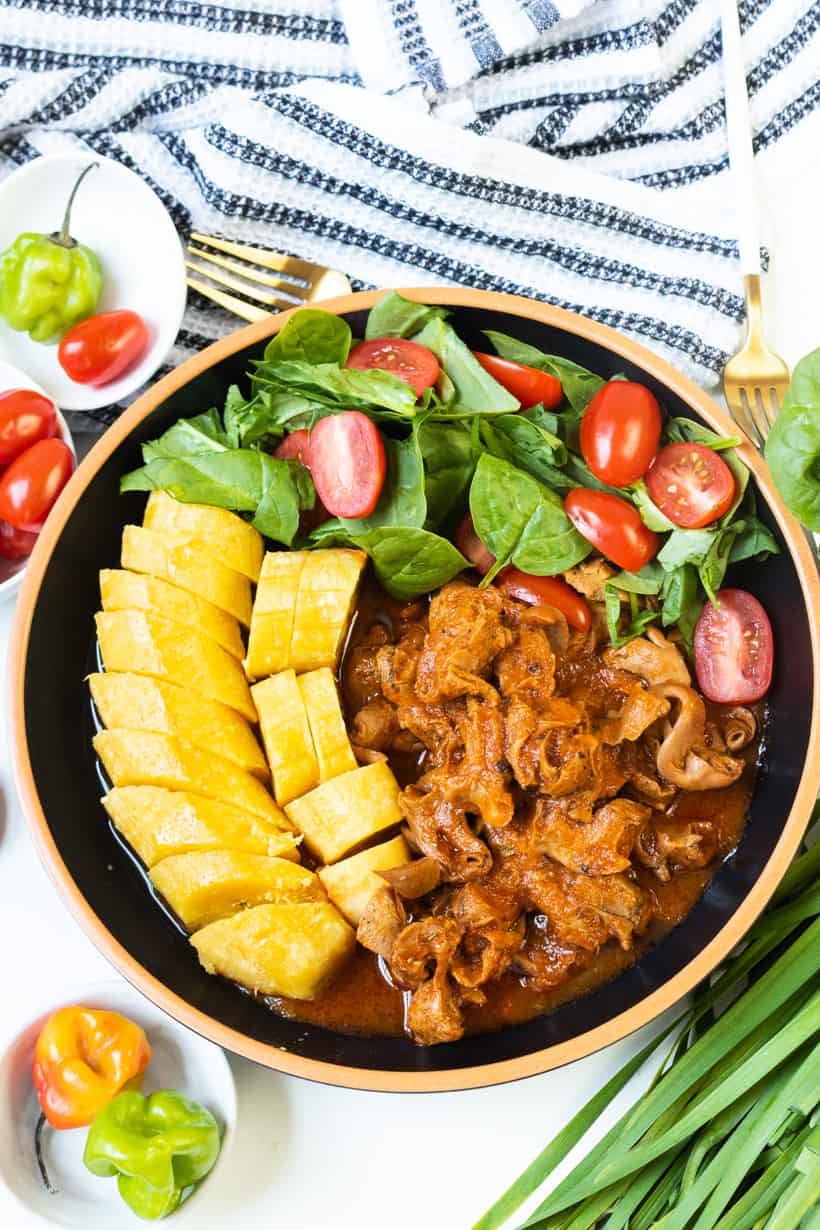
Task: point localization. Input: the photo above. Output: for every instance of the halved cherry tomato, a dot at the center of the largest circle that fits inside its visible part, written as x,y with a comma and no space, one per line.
25,418
620,432
295,447
99,349
734,649
691,484
470,545
31,484
414,364
612,526
547,591
14,543
348,463
528,384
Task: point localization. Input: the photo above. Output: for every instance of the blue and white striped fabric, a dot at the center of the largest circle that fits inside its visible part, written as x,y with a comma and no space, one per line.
563,150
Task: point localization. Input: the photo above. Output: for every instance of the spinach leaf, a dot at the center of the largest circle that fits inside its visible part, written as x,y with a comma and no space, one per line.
449,457
410,561
614,617
402,500
511,348
547,420
201,434
579,384
311,336
793,447
379,394
520,520
685,431
395,316
649,580
686,547
651,515
476,392
712,568
287,489
753,540
682,601
580,475
804,387
250,422
525,444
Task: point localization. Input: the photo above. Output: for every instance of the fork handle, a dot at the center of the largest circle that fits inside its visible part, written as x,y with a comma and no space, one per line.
739,130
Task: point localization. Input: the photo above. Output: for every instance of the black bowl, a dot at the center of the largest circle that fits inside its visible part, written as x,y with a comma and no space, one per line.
61,788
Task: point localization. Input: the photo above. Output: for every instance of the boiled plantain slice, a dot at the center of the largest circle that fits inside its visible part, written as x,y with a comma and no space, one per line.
347,810
135,591
211,884
286,736
334,754
351,883
216,529
189,565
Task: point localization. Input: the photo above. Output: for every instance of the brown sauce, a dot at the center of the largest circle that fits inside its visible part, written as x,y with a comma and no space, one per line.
363,1001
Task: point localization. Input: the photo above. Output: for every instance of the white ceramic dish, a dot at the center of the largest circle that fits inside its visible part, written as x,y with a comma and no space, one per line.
11,571
117,215
181,1060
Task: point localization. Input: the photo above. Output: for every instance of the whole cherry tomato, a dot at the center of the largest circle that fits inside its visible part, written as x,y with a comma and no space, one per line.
547,591
734,649
31,484
414,364
691,484
25,418
14,543
471,546
347,463
100,348
529,384
620,432
612,526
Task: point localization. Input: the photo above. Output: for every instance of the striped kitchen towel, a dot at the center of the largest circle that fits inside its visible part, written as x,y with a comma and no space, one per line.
571,152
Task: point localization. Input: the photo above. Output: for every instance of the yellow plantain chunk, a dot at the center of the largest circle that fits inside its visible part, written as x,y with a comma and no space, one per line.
159,823
327,590
134,702
142,758
212,884
216,529
302,609
324,713
273,613
286,736
149,645
135,591
344,812
351,883
189,565
291,950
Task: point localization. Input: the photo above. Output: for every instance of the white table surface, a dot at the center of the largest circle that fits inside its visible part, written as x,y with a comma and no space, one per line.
310,1156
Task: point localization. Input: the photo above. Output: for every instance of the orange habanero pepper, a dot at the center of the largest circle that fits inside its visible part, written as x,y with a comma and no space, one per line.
83,1058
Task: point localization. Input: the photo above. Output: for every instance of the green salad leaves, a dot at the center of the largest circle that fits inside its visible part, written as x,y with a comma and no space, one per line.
793,446
465,444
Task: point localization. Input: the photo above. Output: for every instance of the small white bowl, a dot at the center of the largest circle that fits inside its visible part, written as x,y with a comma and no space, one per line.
181,1060
117,215
11,570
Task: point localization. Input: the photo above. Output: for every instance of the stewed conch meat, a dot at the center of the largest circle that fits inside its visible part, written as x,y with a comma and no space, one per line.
543,784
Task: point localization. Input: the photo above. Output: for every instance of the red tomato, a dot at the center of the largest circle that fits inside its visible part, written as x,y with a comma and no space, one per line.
31,484
471,546
612,526
295,447
25,418
547,591
528,384
620,432
691,484
734,649
348,463
14,543
99,349
414,364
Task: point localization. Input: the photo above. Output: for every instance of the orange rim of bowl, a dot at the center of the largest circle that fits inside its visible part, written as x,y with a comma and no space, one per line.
613,1030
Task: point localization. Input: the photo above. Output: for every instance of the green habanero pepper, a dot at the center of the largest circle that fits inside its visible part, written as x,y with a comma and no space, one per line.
49,282
158,1146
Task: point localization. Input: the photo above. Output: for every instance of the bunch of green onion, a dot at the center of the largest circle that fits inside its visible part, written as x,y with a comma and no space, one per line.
727,1137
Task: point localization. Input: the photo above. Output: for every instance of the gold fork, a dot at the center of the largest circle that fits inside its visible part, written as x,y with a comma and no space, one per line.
292,282
755,379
